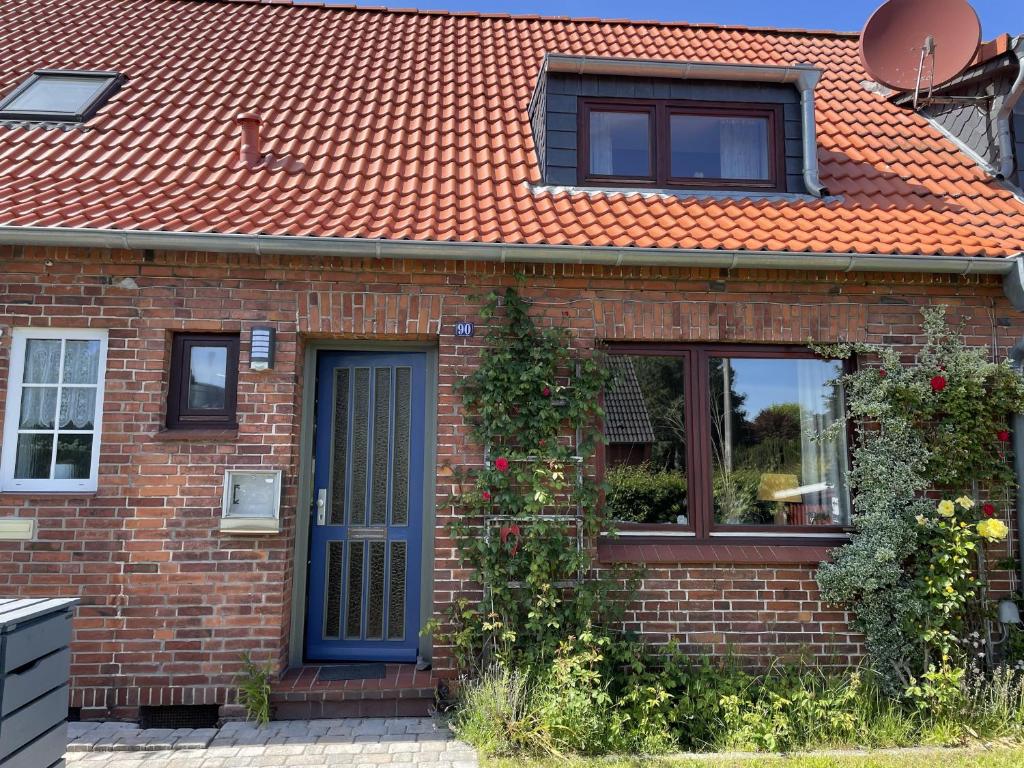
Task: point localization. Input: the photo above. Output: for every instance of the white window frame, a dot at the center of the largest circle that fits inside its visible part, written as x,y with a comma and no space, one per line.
19,337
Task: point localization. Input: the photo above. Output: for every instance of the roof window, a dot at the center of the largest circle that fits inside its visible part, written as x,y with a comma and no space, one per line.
59,96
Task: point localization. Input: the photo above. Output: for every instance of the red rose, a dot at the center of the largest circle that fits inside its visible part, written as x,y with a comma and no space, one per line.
988,510
882,372
1003,435
486,495
546,391
501,463
938,383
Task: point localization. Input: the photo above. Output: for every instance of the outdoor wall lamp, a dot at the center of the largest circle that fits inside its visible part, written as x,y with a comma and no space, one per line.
261,348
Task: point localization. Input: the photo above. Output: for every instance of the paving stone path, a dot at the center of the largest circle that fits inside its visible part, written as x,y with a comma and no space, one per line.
354,743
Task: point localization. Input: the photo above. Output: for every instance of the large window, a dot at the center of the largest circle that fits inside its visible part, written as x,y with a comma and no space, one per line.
204,381
719,441
54,409
681,144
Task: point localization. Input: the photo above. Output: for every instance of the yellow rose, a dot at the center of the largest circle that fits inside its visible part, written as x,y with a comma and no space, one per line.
946,508
965,502
921,520
993,529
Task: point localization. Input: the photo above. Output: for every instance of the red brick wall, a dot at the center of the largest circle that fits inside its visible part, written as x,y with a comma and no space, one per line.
169,602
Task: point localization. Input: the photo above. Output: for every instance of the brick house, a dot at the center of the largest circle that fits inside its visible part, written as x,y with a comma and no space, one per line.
241,242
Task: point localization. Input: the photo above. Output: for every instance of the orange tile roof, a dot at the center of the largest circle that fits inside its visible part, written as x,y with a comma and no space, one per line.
413,125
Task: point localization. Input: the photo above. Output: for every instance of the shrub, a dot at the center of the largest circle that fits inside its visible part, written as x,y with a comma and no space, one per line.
641,494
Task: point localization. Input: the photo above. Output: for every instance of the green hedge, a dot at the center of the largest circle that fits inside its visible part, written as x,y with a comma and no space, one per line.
639,494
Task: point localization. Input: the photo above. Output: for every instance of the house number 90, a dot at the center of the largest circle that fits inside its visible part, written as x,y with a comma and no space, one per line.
464,329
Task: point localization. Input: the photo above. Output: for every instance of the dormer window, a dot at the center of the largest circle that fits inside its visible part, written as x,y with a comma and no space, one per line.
60,96
663,143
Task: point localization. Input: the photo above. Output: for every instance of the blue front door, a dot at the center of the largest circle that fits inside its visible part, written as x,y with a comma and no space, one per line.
367,519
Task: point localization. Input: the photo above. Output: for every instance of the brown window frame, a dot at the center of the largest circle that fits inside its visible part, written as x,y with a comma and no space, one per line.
179,415
701,525
659,148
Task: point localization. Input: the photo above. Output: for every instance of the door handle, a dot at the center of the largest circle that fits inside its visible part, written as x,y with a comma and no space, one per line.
321,506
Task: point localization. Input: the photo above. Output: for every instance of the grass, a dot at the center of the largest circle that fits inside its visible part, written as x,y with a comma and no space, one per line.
1000,757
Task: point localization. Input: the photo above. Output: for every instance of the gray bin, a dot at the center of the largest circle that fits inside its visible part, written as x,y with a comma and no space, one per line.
34,667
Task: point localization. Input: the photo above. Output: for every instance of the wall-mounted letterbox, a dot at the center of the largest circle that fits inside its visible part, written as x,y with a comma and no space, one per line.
252,501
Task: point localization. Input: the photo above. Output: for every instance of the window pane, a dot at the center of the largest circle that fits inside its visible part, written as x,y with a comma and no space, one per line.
207,378
620,143
38,407
712,147
32,461
77,408
55,93
81,361
767,468
74,457
42,361
646,430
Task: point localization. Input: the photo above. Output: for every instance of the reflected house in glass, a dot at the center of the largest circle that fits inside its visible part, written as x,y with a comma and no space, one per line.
627,422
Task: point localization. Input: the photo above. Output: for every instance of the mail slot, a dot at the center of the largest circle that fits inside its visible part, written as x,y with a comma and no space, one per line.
252,501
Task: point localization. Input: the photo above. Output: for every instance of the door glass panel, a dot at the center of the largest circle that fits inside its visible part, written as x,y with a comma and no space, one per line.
42,361
77,407
207,380
645,425
74,457
768,468
339,465
400,462
38,407
360,445
81,361
396,596
332,621
32,461
375,601
620,143
354,594
381,438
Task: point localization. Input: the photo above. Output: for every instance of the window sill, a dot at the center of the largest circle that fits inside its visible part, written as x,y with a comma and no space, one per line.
665,550
13,493
250,526
221,435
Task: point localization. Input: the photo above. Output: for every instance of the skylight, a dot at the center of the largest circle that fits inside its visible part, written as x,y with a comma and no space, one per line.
59,95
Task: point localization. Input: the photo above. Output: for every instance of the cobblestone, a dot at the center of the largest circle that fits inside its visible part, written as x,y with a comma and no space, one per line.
371,742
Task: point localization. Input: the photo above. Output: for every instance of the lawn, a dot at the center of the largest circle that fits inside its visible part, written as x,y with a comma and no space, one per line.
1002,757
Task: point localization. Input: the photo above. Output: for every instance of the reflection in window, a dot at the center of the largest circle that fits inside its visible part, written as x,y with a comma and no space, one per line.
767,466
620,144
208,368
645,424
709,147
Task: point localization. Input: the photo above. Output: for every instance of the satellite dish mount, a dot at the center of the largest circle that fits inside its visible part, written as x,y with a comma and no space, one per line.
919,45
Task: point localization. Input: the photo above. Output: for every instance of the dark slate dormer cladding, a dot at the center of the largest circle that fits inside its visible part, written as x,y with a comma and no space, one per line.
553,115
973,123
1017,126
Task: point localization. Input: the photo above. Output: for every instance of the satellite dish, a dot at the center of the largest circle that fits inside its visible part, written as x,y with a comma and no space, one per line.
912,44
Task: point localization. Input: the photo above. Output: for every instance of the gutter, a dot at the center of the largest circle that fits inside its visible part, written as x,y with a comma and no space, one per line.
1017,357
355,247
803,76
1004,134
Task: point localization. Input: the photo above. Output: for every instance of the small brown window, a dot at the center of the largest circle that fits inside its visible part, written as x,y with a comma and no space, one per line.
681,144
204,381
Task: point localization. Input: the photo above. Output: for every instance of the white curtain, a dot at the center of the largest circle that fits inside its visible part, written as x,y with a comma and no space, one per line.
743,148
822,463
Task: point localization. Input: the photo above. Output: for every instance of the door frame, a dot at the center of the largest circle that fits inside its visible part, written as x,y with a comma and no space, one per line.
300,553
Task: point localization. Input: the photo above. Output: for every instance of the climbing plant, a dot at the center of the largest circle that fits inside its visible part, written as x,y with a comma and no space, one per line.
930,427
533,403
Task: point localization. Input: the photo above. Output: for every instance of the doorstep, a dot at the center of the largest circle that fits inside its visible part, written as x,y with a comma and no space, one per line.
404,691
